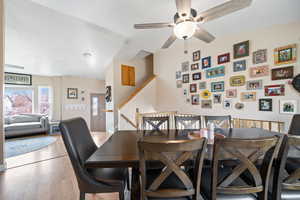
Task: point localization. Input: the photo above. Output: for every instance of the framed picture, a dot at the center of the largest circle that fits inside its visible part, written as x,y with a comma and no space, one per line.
196,76
241,49
239,106
193,88
179,83
217,86
259,71
237,80
274,90
206,62
185,78
195,99
288,106
282,73
17,79
196,55
202,85
217,98
254,85
185,66
259,56
185,92
194,66
285,55
224,58
72,93
248,96
231,93
108,97
178,74
239,65
227,104
215,72
296,83
205,94
265,104
206,104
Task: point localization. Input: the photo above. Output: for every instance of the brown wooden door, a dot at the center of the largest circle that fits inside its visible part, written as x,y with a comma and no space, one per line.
98,115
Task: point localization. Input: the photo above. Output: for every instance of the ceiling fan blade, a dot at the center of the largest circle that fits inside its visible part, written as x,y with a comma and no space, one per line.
153,25
169,42
223,9
203,35
183,8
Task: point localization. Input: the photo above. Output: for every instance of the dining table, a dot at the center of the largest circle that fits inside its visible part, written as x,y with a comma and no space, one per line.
121,150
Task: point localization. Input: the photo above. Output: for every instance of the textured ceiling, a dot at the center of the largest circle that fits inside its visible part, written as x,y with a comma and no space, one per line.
49,37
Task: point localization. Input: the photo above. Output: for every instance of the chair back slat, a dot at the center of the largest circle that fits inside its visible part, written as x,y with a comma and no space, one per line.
246,153
187,122
156,123
173,155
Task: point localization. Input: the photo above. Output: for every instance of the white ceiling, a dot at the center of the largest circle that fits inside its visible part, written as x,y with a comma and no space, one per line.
49,36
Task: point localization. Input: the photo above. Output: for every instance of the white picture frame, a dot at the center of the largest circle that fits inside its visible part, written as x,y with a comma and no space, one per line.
288,106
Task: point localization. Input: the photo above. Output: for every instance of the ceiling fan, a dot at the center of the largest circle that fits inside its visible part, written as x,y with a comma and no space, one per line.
187,23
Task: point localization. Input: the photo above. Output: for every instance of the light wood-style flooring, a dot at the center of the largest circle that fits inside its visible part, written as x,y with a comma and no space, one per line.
45,174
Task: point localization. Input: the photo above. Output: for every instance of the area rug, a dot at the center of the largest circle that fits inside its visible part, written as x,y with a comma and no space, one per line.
25,145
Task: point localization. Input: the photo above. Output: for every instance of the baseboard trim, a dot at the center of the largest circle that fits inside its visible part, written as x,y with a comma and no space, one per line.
3,167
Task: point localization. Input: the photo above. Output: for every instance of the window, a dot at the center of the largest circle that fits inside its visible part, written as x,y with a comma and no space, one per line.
128,75
18,100
45,100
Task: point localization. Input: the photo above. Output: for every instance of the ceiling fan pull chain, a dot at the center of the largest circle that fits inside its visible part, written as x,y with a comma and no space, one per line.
185,46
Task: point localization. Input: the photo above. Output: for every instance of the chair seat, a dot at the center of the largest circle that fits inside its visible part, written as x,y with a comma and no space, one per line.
112,176
206,186
171,182
290,195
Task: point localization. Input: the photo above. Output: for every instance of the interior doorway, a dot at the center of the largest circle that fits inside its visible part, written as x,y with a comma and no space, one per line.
98,115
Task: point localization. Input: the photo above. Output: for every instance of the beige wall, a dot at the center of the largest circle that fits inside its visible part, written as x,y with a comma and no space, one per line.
167,62
1,81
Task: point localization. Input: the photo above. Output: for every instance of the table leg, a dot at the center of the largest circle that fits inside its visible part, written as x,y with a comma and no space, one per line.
135,184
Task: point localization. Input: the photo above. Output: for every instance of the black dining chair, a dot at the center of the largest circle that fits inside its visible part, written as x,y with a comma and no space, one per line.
219,121
187,122
80,145
286,180
156,123
229,183
295,125
171,182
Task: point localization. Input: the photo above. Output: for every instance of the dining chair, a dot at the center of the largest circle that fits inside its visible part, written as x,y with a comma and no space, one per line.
187,122
295,125
227,183
80,145
286,180
172,181
219,121
156,123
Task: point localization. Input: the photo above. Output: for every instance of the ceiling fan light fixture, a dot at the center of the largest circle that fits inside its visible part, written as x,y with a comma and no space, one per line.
185,29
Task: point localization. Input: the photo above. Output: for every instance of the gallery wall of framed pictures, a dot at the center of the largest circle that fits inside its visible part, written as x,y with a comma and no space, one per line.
245,76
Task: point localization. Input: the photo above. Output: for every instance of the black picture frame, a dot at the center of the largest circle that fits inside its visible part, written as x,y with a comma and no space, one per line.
72,93
206,62
296,83
196,76
196,55
185,78
262,105
108,94
16,83
241,49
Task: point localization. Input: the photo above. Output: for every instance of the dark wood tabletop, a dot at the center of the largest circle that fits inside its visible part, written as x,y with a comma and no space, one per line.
121,150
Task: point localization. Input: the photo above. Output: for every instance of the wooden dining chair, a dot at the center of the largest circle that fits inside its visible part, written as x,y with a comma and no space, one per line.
172,181
286,180
219,121
156,123
80,145
295,125
227,183
192,122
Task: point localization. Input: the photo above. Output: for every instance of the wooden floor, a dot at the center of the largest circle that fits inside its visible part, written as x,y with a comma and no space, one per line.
45,174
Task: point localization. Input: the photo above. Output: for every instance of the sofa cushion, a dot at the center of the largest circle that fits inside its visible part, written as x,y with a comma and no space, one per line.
23,119
7,120
21,126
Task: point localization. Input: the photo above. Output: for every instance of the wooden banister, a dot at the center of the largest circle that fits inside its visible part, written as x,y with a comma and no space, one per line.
136,91
129,121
